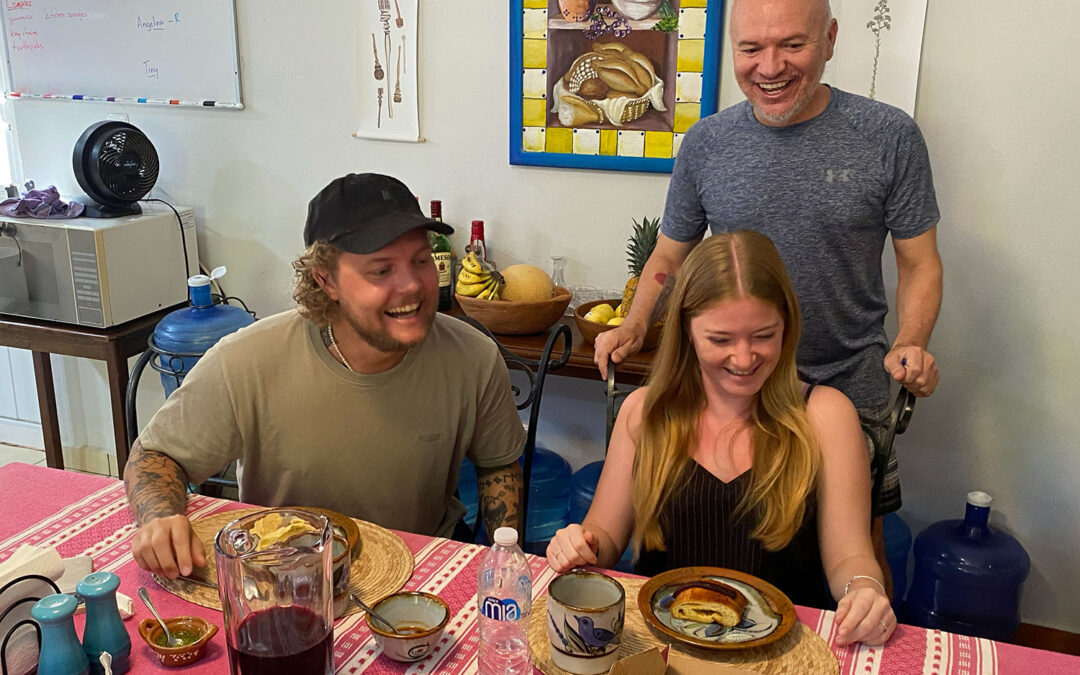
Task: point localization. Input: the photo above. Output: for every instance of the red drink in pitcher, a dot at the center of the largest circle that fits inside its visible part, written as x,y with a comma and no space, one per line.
285,641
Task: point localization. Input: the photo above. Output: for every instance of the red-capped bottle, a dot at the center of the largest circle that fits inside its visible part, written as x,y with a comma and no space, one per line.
476,241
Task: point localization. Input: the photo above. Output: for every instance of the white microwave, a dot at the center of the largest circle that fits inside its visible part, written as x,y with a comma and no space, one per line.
96,272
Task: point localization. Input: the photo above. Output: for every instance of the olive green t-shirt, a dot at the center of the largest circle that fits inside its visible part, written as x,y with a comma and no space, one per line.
386,448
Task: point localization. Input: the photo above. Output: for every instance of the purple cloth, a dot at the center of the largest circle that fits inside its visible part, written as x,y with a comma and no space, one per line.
41,204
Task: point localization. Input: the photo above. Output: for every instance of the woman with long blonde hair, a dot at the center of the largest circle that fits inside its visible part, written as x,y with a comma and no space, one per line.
726,459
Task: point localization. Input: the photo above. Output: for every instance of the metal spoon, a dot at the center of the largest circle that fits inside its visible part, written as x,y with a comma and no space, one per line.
169,639
361,605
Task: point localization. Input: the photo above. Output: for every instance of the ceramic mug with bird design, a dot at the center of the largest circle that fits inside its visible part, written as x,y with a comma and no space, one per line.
584,621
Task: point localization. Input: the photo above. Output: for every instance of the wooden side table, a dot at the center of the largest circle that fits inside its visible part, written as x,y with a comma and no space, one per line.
112,345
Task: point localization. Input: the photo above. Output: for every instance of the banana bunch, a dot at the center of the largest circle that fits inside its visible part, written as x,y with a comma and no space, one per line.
477,281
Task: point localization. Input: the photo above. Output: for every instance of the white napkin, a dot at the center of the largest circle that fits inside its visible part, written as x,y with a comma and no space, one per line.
22,650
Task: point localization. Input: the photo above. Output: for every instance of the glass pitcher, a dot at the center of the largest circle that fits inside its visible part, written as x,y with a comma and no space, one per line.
277,595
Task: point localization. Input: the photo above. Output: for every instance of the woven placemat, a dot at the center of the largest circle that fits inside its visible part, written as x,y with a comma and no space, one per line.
800,652
384,565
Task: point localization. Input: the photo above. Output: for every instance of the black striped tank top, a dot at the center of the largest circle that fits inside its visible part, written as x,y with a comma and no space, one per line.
700,529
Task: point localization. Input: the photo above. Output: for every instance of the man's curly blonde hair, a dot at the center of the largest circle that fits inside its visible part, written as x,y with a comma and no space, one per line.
315,305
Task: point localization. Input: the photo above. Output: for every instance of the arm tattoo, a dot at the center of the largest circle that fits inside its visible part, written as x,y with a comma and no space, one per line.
500,497
156,485
660,306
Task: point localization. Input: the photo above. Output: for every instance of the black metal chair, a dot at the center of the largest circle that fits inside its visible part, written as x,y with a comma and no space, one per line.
899,418
535,371
172,367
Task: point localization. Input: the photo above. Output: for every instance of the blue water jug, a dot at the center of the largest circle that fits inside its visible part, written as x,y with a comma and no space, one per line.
968,577
582,491
194,329
467,490
549,499
897,536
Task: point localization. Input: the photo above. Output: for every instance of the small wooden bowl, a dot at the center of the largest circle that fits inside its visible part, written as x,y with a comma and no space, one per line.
590,329
150,630
516,318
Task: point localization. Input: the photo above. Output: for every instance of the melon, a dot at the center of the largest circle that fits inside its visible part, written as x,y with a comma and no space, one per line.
526,283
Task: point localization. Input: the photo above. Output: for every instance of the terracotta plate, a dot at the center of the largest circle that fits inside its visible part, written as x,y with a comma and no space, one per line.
768,617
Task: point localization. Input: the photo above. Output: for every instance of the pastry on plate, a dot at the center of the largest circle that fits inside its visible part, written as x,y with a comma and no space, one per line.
709,603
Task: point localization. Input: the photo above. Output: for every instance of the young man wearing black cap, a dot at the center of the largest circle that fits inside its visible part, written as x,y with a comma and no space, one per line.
363,399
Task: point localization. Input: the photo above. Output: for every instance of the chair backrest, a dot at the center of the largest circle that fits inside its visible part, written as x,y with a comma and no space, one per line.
535,372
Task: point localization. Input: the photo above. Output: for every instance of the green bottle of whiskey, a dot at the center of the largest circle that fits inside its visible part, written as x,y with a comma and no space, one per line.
442,253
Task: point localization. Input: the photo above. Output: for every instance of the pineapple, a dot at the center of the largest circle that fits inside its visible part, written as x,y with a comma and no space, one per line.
638,249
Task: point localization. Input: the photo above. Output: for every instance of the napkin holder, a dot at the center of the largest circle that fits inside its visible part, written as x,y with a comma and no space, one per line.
28,601
658,661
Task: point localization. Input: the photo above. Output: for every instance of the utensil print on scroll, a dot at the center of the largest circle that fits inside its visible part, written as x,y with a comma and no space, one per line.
378,119
384,17
404,64
397,82
400,22
375,51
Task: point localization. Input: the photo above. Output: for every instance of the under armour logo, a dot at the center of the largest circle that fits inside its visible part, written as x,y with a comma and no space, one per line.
387,197
840,175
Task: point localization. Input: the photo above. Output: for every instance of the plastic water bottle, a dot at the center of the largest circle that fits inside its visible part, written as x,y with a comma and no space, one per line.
504,598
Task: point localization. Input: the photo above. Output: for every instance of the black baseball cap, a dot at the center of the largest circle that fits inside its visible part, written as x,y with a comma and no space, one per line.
363,212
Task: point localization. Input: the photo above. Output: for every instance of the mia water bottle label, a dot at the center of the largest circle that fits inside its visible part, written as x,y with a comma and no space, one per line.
500,609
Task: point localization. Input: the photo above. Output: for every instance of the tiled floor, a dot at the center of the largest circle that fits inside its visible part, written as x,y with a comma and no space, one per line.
18,453
14,453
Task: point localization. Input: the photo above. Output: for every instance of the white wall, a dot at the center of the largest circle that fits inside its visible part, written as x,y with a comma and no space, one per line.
997,101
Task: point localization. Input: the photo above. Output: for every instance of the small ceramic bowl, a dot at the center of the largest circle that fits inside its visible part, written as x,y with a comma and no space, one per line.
151,632
422,616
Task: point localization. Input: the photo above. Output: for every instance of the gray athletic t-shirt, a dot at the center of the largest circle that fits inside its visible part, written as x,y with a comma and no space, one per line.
827,192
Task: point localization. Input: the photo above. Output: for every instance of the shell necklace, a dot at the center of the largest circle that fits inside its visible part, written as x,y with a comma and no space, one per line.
337,350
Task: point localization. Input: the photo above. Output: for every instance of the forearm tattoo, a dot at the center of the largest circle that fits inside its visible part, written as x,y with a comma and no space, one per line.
660,306
500,497
156,485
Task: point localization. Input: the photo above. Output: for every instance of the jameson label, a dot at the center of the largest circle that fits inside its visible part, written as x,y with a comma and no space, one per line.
442,263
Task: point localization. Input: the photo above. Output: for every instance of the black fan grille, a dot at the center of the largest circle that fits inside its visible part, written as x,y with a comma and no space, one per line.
128,164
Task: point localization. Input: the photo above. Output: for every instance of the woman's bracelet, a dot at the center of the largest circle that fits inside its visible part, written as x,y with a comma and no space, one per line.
852,580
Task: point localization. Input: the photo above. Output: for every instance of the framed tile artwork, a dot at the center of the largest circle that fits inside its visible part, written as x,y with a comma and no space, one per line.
610,84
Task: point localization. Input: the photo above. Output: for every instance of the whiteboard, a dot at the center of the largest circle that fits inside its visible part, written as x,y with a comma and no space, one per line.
180,52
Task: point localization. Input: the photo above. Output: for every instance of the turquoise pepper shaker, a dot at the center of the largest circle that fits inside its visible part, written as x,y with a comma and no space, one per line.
104,630
61,653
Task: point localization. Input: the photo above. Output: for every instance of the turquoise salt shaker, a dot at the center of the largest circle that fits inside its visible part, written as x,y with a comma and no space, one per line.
104,630
61,653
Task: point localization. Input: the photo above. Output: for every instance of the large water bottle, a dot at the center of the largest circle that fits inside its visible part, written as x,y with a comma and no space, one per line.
897,536
194,329
504,598
582,491
968,577
549,499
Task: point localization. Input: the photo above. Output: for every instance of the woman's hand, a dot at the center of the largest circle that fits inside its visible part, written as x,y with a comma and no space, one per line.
864,615
572,546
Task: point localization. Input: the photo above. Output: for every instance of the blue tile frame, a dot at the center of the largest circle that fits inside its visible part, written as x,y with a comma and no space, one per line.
710,89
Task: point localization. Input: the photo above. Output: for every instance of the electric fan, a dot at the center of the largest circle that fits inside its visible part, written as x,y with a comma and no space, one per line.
117,165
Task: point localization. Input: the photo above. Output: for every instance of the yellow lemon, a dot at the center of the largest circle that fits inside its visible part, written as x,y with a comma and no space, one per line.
602,313
616,321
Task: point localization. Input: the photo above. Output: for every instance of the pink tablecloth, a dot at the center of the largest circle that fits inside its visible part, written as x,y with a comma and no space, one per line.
82,514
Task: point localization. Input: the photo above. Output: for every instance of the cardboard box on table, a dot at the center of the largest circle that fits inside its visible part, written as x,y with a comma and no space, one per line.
658,661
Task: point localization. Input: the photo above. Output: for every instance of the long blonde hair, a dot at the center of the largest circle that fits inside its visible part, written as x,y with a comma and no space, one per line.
786,456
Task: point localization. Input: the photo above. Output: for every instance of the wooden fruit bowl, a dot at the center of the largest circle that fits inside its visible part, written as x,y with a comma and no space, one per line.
516,318
590,329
